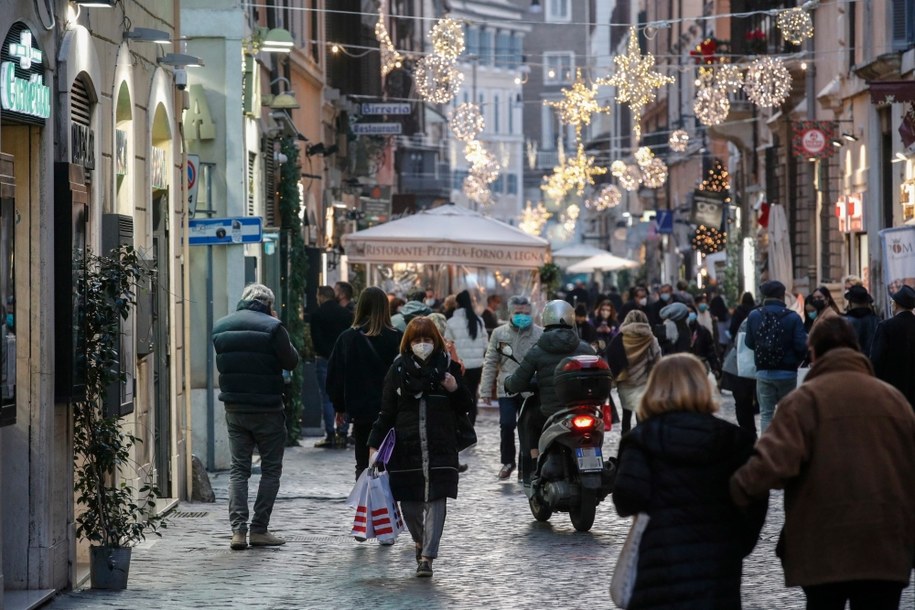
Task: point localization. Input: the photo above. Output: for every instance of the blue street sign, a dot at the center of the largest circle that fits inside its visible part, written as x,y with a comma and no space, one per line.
665,221
219,231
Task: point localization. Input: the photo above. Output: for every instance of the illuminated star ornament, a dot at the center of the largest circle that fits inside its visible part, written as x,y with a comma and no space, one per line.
578,104
573,173
390,58
635,81
533,218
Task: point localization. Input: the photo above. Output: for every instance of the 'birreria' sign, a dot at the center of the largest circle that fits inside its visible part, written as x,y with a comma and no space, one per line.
31,97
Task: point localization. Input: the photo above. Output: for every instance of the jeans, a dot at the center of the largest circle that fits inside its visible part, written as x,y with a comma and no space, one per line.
472,381
863,595
327,406
267,432
508,421
426,522
768,393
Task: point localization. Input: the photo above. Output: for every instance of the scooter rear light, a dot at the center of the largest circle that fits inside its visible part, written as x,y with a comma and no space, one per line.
572,365
583,422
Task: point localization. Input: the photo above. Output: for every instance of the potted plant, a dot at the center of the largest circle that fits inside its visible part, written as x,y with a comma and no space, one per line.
114,514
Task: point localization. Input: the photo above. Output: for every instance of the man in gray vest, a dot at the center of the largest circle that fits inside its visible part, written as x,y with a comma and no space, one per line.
252,351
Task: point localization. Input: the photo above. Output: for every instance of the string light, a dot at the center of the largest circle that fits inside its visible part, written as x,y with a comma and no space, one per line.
570,217
467,122
391,59
574,173
631,178
768,82
483,164
635,81
654,174
709,240
643,156
717,180
711,105
795,24
728,77
533,218
678,140
608,197
476,190
578,103
437,79
617,168
447,38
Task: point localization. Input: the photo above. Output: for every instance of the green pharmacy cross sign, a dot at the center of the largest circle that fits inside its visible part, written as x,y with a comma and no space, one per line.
24,95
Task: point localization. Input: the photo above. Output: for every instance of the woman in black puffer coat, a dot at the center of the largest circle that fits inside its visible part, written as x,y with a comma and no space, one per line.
675,466
423,396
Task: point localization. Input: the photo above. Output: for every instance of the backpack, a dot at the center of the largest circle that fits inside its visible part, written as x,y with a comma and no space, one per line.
770,340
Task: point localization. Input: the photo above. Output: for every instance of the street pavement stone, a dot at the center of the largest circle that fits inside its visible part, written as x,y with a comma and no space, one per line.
493,553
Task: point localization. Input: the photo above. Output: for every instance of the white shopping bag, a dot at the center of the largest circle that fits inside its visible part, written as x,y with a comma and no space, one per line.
383,510
626,570
359,499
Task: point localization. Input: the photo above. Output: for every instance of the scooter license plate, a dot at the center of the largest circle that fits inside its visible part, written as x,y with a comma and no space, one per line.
589,459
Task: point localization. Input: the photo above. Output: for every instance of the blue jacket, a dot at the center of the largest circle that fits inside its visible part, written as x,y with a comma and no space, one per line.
795,337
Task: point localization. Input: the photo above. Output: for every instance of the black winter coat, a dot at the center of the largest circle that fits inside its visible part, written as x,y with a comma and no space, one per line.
328,322
892,354
423,466
554,345
864,321
252,351
676,467
355,371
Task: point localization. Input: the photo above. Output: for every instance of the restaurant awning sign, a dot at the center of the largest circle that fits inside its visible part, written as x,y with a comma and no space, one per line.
23,93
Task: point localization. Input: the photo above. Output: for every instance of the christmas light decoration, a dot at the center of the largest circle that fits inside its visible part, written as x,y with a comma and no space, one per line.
643,156
390,58
437,79
709,240
711,105
617,168
654,173
570,217
533,218
678,140
572,174
608,197
483,164
795,24
476,190
467,122
717,179
728,77
631,178
767,82
447,38
578,103
635,81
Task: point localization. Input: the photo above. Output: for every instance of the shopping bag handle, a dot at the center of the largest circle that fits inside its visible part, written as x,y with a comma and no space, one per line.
385,449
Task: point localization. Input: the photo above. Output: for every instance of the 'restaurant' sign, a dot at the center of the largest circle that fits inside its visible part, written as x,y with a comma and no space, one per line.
22,88
444,253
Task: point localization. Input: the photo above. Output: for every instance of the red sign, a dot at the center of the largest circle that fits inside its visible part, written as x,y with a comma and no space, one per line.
813,139
850,212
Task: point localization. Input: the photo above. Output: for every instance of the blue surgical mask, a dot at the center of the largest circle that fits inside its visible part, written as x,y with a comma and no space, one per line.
691,317
665,296
703,307
812,315
9,321
521,320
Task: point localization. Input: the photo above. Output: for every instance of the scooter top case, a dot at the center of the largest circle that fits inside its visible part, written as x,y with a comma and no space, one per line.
582,380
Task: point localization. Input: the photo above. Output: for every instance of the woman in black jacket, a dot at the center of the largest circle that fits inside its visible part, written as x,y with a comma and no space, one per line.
357,366
675,466
424,394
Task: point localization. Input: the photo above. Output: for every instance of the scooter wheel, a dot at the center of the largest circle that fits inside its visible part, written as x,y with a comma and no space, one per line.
582,514
540,510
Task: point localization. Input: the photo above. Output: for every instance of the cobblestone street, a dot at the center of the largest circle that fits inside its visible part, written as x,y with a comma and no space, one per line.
493,555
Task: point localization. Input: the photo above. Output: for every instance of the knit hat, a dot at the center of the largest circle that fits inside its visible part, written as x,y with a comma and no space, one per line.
675,312
905,297
773,289
858,294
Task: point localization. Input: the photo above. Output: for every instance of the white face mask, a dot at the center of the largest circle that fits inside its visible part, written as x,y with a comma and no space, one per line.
643,301
422,350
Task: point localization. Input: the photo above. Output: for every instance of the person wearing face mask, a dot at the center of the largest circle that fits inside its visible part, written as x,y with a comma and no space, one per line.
423,396
701,342
521,334
638,301
665,298
891,350
674,334
824,305
605,325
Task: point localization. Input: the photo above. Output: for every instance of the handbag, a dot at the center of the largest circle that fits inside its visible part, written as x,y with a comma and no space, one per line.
746,359
624,574
466,435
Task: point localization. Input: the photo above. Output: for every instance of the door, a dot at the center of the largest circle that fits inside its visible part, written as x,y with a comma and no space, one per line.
161,364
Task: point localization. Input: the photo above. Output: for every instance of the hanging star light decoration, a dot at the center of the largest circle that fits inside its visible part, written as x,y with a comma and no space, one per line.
447,36
533,218
631,178
711,105
608,197
437,79
678,140
467,122
578,103
477,190
635,81
390,58
795,24
483,164
574,173
654,173
767,82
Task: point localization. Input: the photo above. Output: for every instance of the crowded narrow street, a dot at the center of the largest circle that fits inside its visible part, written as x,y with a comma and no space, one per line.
493,554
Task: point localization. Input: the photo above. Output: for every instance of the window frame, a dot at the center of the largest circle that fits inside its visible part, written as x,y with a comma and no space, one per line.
558,79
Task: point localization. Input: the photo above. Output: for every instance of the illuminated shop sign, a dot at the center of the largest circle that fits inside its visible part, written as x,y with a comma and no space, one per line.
22,88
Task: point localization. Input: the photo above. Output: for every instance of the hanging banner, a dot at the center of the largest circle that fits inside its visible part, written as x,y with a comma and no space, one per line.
708,208
898,247
813,139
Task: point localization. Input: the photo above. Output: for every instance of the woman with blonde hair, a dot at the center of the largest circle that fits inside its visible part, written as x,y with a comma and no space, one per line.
675,467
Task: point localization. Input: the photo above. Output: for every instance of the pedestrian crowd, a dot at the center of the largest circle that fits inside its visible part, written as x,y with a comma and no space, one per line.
835,394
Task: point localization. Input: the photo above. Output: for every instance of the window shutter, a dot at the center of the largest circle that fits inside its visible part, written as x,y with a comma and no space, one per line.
252,164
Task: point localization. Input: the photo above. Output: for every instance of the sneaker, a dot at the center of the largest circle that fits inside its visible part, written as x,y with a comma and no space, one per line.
506,471
462,467
419,552
327,443
265,539
424,569
340,441
239,541
386,542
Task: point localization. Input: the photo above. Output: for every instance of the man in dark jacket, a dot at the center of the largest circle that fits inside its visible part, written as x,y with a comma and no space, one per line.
327,322
891,352
558,341
779,342
861,316
638,300
252,351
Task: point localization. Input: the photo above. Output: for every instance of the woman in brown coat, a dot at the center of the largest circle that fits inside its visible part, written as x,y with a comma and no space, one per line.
843,448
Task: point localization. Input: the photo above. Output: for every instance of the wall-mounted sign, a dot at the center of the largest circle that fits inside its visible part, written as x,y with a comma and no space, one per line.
193,165
813,139
386,108
850,212
22,88
120,152
377,129
82,146
222,231
708,208
158,176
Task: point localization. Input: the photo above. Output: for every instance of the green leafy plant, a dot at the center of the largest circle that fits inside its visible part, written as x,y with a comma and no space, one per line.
550,278
114,512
